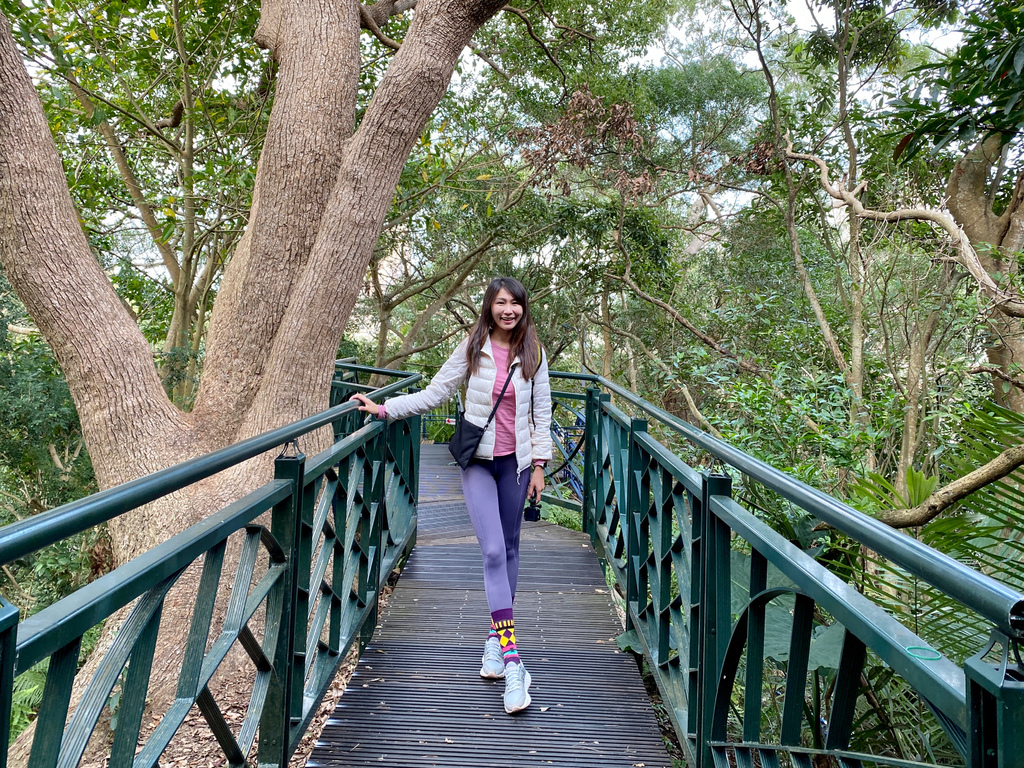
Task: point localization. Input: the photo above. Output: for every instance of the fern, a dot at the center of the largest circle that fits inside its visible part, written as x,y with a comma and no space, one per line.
985,531
27,696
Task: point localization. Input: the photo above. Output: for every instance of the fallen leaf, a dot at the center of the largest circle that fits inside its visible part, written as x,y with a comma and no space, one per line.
448,741
544,709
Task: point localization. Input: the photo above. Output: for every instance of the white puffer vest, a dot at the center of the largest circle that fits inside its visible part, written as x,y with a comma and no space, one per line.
533,435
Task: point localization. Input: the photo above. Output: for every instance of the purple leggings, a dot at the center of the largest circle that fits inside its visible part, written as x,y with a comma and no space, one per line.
495,494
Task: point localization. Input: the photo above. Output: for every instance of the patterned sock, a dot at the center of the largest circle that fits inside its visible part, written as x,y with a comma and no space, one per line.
506,629
494,632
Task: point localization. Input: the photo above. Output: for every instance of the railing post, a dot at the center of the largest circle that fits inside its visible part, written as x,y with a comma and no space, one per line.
413,478
303,566
371,542
995,709
415,426
285,521
631,518
591,456
715,609
8,643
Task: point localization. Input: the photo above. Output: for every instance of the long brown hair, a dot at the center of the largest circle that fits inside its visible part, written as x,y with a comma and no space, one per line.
524,343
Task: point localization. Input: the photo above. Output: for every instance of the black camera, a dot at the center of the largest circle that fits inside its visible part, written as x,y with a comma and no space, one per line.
532,512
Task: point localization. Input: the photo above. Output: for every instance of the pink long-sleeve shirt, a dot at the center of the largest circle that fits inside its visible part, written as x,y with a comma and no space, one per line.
505,417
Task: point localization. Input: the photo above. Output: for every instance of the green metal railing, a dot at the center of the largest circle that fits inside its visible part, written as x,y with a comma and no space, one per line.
671,536
304,591
703,579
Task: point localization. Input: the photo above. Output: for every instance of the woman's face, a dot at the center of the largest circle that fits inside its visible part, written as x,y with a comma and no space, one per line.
506,311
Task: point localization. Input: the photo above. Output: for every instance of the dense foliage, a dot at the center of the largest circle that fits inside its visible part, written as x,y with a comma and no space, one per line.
662,200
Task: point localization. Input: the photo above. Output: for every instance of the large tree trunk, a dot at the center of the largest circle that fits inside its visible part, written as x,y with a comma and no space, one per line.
321,193
972,192
316,47
130,426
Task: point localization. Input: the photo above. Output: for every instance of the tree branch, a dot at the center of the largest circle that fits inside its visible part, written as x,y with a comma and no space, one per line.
175,119
993,371
16,498
493,65
529,30
424,347
383,10
52,450
998,468
417,287
965,192
368,22
463,271
744,365
131,182
1008,303
696,412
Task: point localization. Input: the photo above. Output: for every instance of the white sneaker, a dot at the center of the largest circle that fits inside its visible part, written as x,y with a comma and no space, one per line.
517,688
492,665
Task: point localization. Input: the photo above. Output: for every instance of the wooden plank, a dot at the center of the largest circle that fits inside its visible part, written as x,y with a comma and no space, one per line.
416,698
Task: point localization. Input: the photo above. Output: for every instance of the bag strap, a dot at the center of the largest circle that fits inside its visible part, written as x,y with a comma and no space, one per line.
494,410
540,359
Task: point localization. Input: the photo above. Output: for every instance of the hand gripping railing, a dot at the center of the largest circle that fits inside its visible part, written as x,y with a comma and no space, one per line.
338,523
707,585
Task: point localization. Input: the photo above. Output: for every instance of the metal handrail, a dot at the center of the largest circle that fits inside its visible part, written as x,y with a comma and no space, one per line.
27,536
344,364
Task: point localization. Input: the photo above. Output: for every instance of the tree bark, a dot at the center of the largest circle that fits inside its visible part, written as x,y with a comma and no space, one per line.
321,193
1003,234
316,47
130,426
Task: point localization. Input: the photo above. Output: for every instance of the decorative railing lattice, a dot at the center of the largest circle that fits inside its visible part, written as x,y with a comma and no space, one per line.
706,585
314,547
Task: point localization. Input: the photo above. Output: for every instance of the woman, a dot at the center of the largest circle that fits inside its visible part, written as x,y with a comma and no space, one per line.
508,465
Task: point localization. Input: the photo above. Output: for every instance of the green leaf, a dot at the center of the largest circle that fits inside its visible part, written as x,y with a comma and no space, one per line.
919,486
630,641
778,628
826,647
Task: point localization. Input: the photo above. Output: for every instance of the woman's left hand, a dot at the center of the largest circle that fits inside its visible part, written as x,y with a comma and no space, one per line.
536,486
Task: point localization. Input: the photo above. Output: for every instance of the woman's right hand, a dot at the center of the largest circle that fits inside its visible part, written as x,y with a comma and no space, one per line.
366,404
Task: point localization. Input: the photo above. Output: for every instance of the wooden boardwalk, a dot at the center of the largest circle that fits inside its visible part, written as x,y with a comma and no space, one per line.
416,698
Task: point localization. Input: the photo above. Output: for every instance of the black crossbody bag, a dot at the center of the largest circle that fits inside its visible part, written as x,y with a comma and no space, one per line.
468,435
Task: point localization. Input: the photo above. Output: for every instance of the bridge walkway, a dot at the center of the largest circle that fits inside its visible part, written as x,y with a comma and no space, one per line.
416,698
